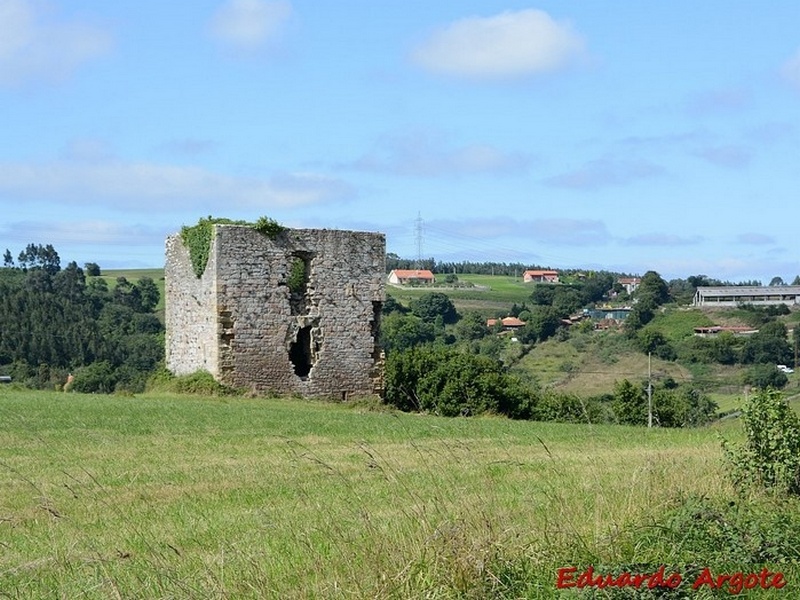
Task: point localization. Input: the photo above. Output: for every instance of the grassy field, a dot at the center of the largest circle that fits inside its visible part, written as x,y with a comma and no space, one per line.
178,497
134,275
492,293
590,364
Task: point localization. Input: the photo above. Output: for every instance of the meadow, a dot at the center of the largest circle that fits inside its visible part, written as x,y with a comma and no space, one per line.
167,496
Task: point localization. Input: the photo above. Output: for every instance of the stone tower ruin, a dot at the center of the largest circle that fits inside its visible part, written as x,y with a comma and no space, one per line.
295,313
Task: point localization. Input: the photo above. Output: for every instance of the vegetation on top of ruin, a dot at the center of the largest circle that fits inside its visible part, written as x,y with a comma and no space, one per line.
197,238
268,227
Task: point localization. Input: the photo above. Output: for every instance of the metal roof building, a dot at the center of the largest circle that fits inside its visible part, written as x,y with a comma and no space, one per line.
733,295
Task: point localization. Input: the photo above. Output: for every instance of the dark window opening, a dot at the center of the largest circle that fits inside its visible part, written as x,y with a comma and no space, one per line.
375,329
300,352
299,273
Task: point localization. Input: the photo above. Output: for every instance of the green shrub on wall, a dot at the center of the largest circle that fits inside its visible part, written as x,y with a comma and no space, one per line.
298,276
268,227
197,238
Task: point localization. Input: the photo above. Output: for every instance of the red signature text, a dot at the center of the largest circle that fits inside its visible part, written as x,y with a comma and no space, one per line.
733,583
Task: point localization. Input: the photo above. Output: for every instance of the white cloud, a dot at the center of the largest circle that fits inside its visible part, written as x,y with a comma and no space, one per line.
719,101
188,146
730,156
606,172
96,232
88,149
755,239
663,239
790,70
36,46
135,186
248,24
428,155
561,231
511,44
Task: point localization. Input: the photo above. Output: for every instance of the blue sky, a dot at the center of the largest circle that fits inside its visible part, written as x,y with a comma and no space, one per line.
626,136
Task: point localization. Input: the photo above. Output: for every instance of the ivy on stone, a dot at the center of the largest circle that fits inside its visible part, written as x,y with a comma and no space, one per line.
197,238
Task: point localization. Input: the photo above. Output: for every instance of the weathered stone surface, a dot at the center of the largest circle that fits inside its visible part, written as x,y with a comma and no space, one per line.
241,322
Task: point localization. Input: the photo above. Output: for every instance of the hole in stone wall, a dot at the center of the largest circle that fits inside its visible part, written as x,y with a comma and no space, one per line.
300,352
299,273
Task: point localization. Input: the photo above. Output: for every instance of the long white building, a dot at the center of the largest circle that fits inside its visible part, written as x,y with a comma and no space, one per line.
733,295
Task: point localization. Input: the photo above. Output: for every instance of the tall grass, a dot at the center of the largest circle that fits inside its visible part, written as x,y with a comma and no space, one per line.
164,496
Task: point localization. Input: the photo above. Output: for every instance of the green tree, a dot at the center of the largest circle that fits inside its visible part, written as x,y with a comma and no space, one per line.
543,323
472,326
148,294
653,287
126,293
567,301
763,376
434,304
725,348
769,345
543,294
391,305
92,269
40,257
402,332
653,341
682,407
640,315
630,403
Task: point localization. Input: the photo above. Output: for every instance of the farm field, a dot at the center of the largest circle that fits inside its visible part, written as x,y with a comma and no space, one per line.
162,496
134,275
491,292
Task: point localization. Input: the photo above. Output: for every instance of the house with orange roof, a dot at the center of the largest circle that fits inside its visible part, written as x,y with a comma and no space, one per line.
508,323
540,276
411,276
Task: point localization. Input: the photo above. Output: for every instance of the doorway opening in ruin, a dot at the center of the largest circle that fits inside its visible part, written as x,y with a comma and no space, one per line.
300,352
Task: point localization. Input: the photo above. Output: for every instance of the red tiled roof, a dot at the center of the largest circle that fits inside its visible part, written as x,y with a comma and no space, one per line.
533,273
506,322
413,274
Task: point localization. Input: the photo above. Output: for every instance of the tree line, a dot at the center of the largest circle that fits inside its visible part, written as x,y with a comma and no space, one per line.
58,322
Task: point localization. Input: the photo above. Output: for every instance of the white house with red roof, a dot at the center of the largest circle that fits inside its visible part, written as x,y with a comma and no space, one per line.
410,276
629,283
540,276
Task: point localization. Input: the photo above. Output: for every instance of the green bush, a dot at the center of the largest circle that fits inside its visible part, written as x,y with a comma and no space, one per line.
770,456
450,383
694,530
200,383
298,276
765,376
268,227
96,378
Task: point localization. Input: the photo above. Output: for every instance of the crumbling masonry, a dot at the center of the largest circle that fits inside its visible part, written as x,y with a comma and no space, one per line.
298,313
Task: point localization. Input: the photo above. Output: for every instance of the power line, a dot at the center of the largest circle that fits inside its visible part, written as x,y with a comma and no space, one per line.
418,238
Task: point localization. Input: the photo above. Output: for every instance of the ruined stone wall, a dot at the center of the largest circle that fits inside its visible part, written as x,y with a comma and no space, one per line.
191,312
317,339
